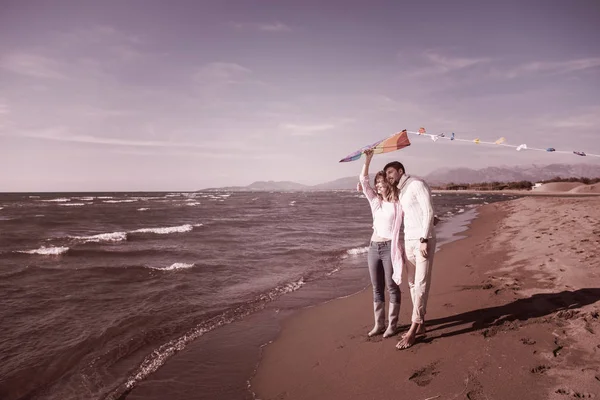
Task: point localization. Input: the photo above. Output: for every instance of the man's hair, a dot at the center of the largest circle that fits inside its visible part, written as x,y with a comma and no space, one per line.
397,165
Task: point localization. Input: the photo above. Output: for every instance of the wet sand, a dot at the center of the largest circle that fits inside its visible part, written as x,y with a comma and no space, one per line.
513,313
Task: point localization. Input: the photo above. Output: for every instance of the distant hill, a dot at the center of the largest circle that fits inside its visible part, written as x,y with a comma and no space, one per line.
531,173
513,174
266,186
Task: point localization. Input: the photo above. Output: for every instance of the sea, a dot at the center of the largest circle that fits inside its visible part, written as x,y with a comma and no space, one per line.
172,295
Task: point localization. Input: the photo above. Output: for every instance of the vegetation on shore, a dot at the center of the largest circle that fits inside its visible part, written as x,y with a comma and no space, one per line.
520,185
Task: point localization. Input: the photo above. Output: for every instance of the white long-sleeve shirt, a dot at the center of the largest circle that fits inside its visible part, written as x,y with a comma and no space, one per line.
415,198
381,211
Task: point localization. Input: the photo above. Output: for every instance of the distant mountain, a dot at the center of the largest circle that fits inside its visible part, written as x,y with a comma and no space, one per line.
272,185
266,186
515,174
339,184
441,176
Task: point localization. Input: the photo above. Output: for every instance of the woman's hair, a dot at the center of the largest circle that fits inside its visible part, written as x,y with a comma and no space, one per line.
392,190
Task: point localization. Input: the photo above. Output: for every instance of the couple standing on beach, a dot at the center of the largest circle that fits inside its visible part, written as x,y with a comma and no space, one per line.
403,236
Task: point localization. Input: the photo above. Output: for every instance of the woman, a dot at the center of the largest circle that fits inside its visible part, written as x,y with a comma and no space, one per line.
385,256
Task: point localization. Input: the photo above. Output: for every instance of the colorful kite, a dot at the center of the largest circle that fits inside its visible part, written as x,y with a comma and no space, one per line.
395,142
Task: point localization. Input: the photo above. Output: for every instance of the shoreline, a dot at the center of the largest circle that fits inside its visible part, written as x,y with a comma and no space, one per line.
516,192
501,323
234,350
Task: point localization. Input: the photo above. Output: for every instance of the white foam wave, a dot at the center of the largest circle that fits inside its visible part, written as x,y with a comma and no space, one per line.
120,201
462,210
87,198
292,202
357,250
59,200
159,356
166,230
34,197
102,237
333,272
1,208
105,197
174,266
143,209
278,291
195,203
72,204
46,251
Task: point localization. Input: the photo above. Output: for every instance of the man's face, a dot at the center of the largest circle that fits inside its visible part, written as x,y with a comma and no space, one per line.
393,175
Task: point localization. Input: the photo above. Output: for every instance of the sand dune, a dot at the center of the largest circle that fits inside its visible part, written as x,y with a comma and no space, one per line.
558,187
595,188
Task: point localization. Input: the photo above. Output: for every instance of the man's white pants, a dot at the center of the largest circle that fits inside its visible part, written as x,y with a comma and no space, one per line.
418,274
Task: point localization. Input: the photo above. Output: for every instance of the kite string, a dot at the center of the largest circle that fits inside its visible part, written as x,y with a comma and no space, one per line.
493,143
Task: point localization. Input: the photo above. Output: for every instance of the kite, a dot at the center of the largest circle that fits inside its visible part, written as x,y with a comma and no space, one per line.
395,142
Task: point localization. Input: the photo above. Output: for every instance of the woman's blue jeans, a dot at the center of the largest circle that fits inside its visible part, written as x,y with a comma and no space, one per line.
380,269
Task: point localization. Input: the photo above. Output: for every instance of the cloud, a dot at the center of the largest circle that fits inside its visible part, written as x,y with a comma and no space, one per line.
551,67
4,109
276,27
64,134
222,73
100,112
264,27
585,119
439,64
97,34
313,129
33,65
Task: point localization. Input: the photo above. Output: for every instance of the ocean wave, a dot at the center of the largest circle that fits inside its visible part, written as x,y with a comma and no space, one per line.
166,230
119,201
102,237
46,251
72,204
105,197
292,202
174,266
195,203
87,198
1,208
143,209
58,200
462,210
357,250
122,236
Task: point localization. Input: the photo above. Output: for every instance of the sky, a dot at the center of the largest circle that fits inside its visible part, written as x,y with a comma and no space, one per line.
135,95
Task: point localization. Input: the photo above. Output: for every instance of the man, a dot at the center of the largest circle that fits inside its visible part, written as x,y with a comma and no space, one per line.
419,243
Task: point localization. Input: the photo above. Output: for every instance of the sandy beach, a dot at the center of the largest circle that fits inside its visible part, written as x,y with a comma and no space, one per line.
513,313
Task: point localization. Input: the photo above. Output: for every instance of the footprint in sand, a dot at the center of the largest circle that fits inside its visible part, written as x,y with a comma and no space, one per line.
424,376
572,393
540,369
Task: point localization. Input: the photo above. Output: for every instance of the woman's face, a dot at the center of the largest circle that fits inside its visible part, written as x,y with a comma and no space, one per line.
381,186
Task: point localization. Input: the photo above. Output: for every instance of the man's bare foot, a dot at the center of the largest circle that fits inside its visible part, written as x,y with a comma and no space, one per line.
407,340
420,331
